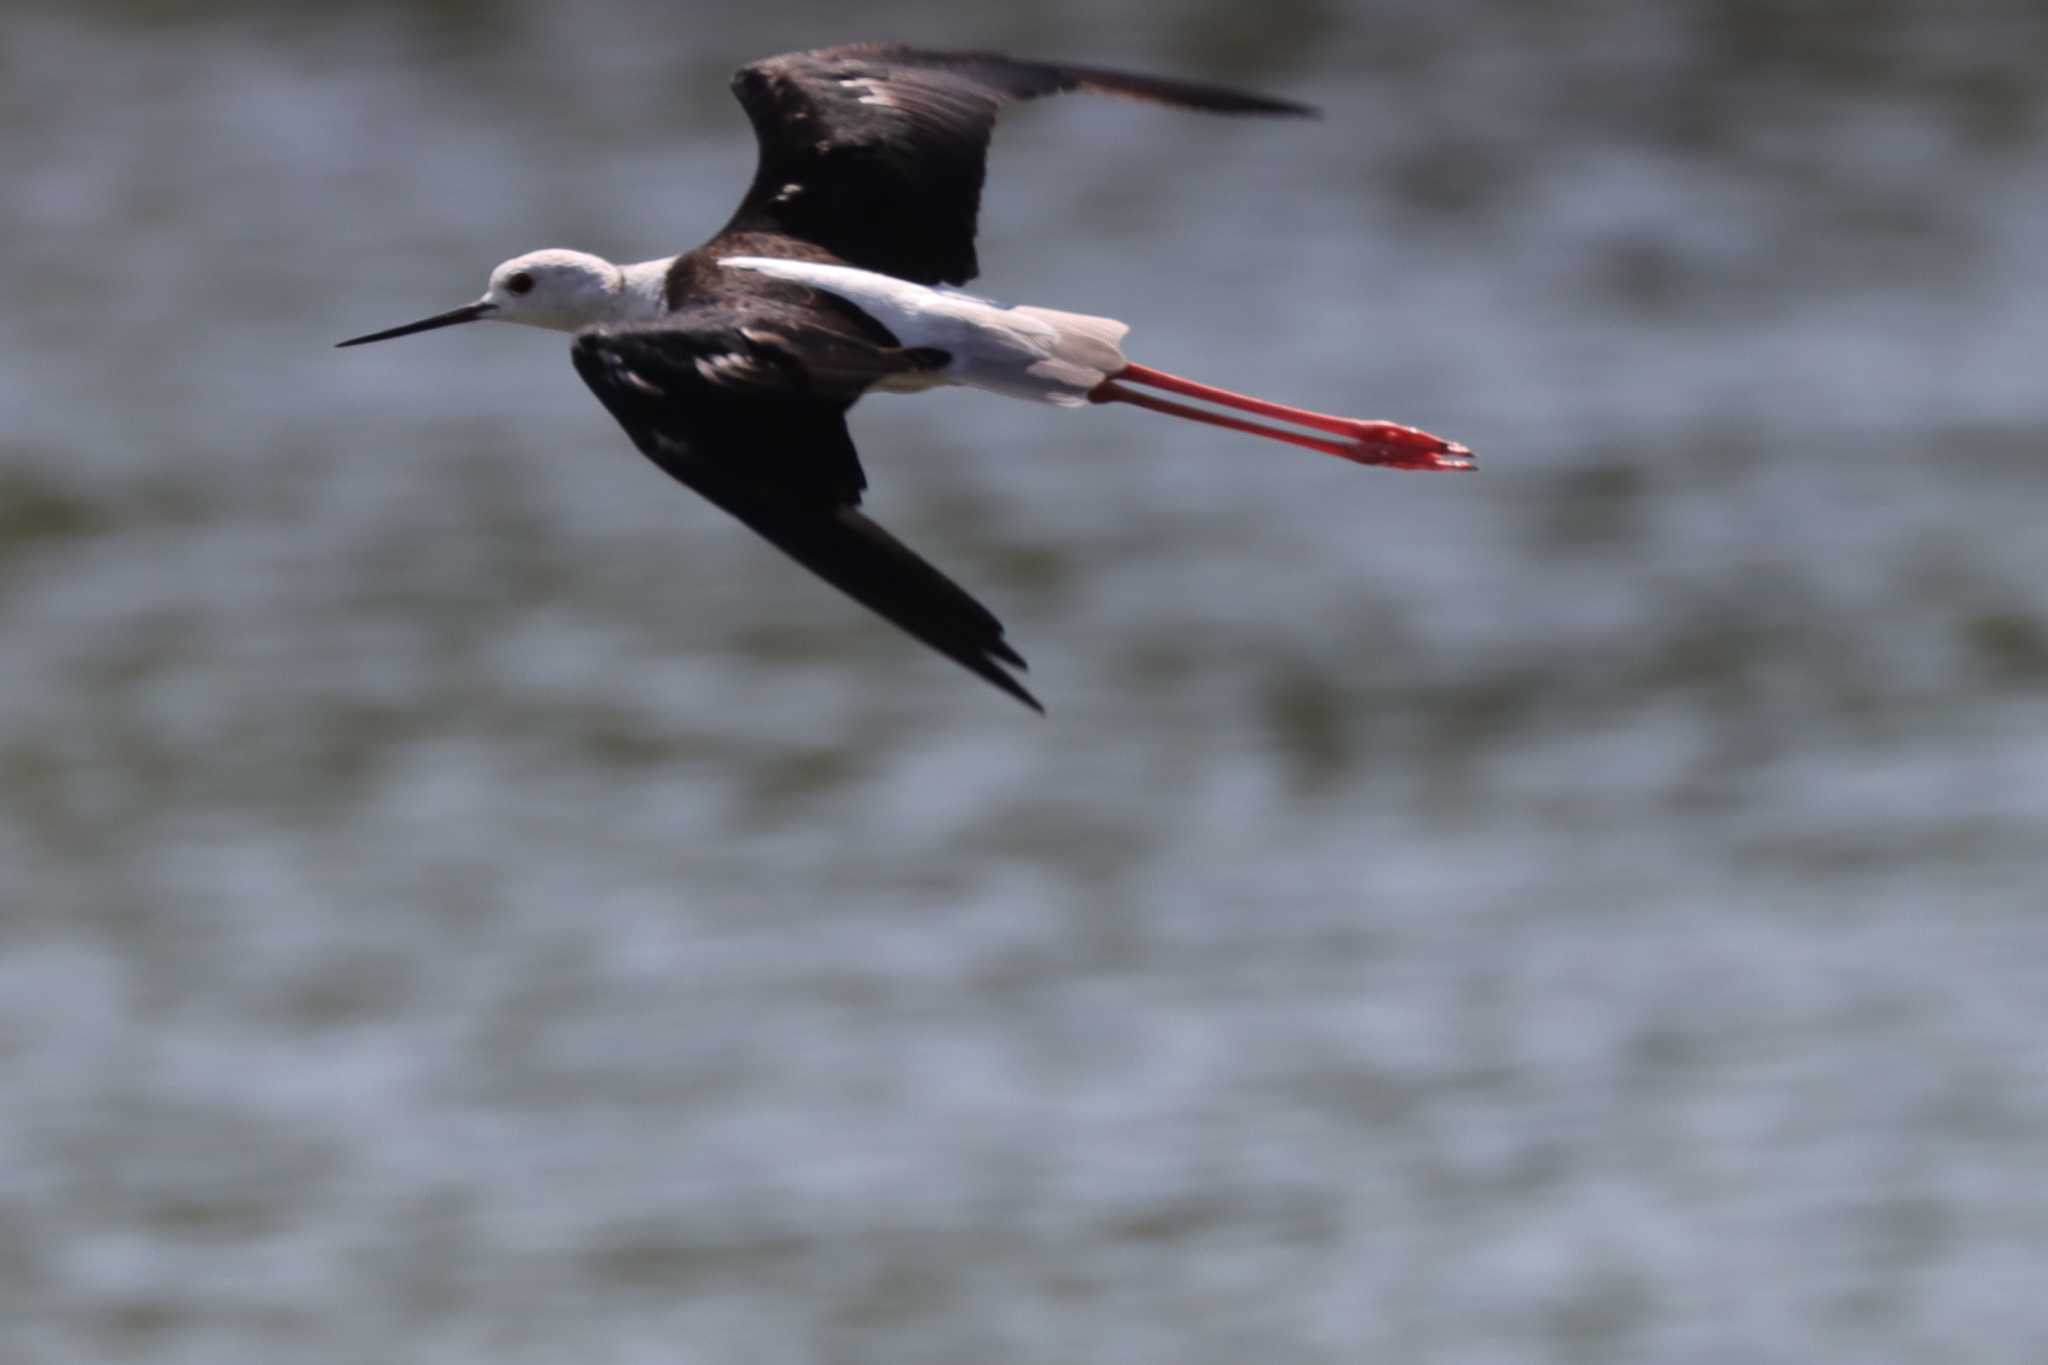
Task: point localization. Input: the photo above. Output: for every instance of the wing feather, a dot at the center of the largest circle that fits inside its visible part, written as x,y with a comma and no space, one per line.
742,420
877,153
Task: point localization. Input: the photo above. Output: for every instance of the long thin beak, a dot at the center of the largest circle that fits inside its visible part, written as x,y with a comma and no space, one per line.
469,312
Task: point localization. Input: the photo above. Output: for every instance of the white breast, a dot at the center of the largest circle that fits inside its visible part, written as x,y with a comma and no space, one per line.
1021,351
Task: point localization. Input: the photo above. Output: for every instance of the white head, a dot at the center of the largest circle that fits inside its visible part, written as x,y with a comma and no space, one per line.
562,290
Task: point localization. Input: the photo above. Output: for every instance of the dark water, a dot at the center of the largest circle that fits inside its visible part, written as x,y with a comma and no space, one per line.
461,900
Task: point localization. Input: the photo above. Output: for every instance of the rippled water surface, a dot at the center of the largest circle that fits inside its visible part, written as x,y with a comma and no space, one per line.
463,900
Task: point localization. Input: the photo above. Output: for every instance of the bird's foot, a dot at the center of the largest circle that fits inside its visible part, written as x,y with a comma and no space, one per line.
1397,447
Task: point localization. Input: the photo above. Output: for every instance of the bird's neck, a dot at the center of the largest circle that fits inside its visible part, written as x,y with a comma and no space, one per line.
643,295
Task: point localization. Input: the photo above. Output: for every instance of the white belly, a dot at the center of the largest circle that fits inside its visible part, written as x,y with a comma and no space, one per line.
1025,352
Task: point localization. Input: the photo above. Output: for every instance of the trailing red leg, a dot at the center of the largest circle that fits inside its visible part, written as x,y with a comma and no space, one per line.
1380,443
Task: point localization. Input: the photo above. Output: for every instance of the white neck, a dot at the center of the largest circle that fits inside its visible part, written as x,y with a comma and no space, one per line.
643,296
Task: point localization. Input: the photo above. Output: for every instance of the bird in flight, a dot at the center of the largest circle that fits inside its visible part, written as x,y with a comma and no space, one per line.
732,366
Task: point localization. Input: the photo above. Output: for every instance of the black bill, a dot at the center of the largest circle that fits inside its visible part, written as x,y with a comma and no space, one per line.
469,312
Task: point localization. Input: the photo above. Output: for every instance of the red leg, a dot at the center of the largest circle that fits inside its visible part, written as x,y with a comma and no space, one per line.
1380,443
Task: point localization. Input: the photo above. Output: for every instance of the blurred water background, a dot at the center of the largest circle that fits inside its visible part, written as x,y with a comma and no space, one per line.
463,900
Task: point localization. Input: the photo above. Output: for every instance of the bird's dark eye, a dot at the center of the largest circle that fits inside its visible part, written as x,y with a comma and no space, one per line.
521,283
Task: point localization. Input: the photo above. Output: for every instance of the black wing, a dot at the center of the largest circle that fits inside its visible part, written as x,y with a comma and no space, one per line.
754,418
876,153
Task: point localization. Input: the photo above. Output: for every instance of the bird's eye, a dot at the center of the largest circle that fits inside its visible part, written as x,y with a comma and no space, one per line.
521,283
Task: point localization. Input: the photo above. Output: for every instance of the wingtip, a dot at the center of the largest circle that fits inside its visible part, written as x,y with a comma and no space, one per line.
1281,108
1272,108
999,673
996,674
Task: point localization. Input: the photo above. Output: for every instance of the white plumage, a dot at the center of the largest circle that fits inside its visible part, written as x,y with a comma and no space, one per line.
1012,349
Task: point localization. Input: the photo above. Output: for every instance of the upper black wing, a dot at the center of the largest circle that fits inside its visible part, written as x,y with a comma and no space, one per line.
876,153
754,418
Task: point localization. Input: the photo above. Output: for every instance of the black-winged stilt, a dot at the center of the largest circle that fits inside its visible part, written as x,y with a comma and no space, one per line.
732,366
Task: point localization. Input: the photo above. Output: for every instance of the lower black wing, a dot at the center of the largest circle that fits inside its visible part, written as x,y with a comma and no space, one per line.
754,419
876,152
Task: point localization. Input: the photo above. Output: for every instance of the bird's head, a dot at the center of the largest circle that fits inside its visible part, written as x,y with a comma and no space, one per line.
561,290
